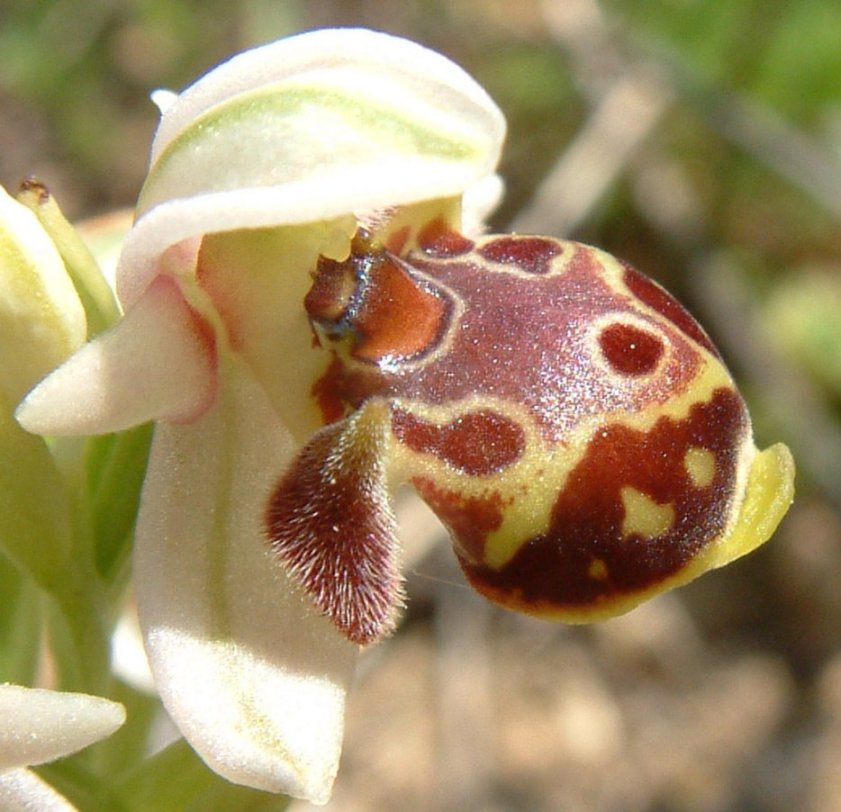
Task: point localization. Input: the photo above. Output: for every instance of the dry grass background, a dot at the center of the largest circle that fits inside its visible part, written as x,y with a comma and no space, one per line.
723,697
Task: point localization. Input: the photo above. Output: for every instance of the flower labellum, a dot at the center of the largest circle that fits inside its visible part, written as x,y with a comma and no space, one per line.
308,326
564,416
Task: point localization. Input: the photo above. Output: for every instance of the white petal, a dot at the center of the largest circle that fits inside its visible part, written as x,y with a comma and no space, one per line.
23,791
479,202
128,655
254,679
157,362
333,49
41,318
40,725
163,99
336,121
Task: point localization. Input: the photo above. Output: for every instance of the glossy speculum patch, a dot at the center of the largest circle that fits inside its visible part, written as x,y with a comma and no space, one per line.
565,417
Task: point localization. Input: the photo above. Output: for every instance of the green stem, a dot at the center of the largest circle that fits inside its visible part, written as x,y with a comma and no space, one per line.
80,640
20,625
116,469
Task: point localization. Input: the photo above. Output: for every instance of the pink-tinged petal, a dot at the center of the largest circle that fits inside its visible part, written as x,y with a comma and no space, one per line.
252,675
23,791
157,363
336,121
40,725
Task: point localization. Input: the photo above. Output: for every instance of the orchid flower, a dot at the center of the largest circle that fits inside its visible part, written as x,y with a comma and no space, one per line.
258,169
41,726
311,316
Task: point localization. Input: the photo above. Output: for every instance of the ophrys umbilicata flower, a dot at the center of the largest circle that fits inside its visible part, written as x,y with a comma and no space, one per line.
298,261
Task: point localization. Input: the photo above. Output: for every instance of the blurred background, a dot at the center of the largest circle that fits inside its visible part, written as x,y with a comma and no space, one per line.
699,139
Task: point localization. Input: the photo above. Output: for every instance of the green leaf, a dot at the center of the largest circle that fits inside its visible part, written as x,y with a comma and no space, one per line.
116,468
20,626
176,780
35,515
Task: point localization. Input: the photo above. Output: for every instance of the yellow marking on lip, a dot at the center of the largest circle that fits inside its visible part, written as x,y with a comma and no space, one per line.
643,516
597,570
700,465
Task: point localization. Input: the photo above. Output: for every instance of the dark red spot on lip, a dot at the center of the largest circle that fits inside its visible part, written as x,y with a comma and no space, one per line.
630,350
664,303
478,443
552,570
529,254
437,239
468,518
324,391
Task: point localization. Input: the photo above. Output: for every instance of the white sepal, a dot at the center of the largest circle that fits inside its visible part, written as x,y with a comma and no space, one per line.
157,363
251,675
40,725
336,122
21,790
